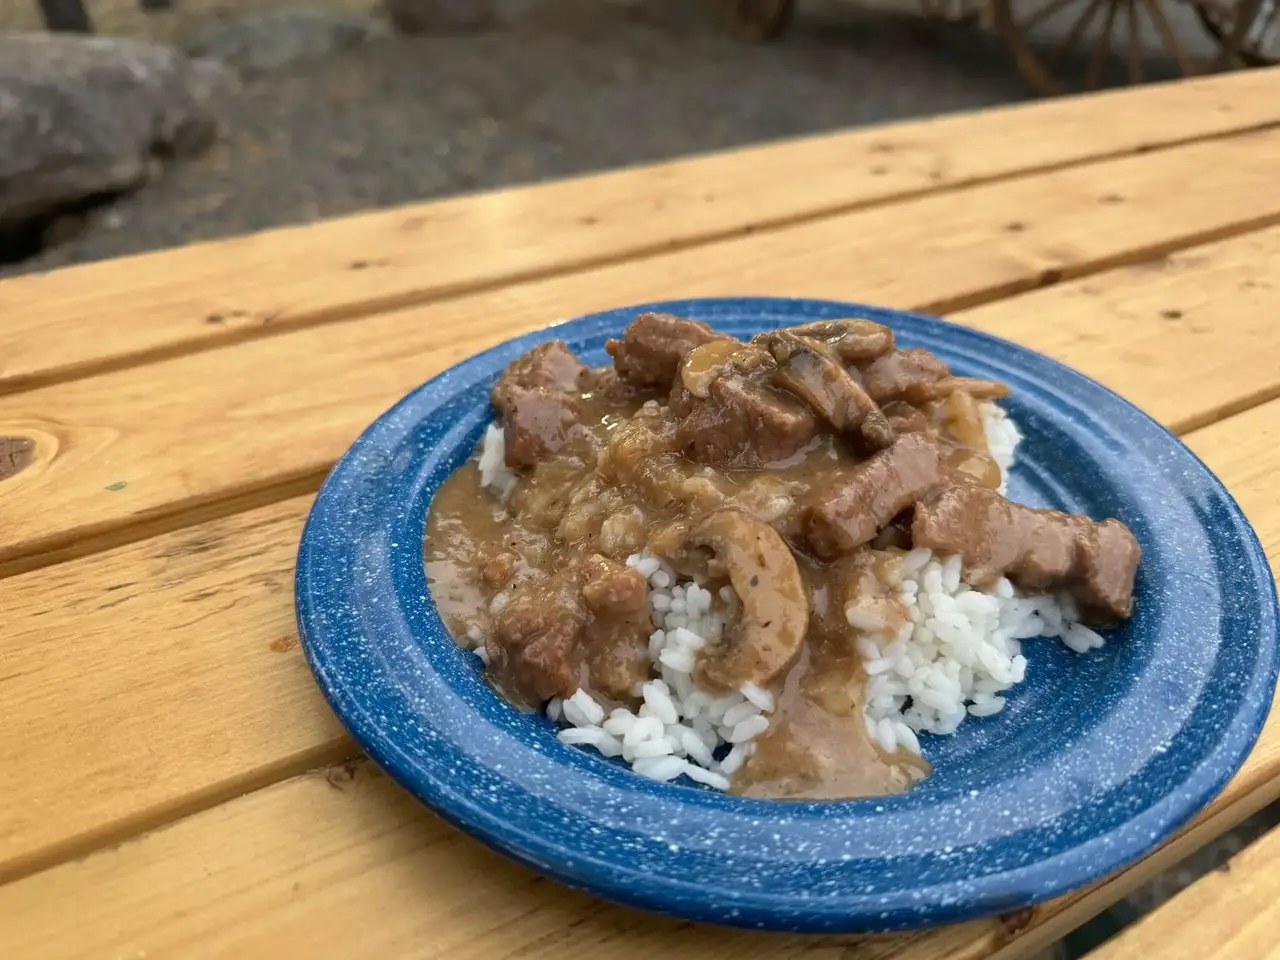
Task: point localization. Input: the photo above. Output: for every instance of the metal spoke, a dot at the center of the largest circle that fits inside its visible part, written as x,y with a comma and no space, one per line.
1265,26
1048,10
1223,11
1077,31
1167,34
1135,43
1234,45
1093,75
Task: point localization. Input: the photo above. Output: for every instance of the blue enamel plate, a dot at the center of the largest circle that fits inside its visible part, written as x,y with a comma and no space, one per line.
1095,760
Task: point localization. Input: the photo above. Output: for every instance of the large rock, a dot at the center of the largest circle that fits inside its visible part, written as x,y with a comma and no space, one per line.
81,117
261,42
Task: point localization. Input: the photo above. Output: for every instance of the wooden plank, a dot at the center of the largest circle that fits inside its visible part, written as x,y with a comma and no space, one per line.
206,615
113,452
102,316
428,891
342,863
96,655
1215,302
1230,914
199,618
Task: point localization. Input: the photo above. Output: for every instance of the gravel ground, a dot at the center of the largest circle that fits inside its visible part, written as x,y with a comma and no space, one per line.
585,86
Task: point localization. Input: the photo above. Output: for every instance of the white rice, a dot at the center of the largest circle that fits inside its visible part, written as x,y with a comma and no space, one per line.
962,647
494,472
1003,437
960,651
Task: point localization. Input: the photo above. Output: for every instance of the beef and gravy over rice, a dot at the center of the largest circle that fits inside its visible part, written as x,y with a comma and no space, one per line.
765,566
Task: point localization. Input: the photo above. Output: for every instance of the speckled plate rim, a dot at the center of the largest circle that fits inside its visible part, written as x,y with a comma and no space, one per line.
363,611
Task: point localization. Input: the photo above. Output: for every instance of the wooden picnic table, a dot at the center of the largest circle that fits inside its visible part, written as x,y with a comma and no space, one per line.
172,783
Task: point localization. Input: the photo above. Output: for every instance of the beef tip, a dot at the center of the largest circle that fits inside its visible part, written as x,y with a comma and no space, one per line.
617,635
618,657
611,587
703,365
680,401
853,340
744,424
851,510
1107,564
651,348
497,569
550,366
535,645
903,375
606,383
539,398
815,375
904,418
1041,550
537,423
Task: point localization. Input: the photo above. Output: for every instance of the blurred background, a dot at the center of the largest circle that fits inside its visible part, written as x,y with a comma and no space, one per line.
331,106
209,118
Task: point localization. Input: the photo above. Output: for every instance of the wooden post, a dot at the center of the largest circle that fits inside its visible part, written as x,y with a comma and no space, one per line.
66,16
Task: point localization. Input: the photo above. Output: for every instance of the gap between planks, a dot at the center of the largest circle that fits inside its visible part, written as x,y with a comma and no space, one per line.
1229,913
1067,250
1157,118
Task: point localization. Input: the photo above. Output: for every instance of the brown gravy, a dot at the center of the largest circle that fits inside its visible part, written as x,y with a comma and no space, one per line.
786,469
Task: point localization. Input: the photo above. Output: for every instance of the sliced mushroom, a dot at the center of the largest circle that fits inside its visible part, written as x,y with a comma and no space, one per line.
853,340
964,420
975,387
813,373
774,615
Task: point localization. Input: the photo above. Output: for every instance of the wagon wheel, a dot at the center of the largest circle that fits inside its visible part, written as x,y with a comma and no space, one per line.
959,12
758,20
1259,43
1120,23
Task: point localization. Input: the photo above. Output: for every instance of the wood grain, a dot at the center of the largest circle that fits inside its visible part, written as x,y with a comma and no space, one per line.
116,451
152,680
87,319
1213,303
1229,914
342,863
201,620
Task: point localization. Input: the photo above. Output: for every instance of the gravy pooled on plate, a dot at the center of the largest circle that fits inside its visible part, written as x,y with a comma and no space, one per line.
735,560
